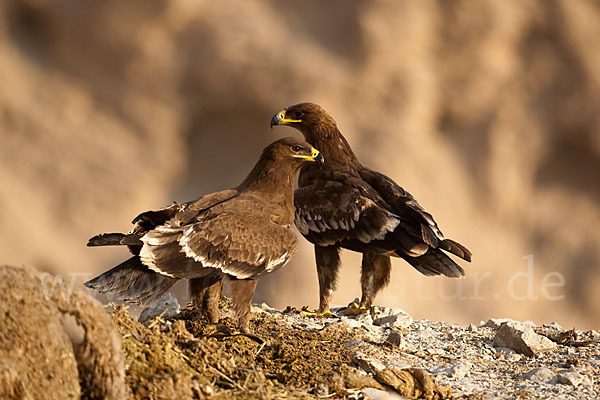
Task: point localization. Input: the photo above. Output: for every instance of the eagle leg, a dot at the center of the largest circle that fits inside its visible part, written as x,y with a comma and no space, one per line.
328,264
242,291
205,294
375,275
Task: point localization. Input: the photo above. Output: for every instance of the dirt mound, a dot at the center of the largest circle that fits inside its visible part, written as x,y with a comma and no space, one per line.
293,356
55,343
186,357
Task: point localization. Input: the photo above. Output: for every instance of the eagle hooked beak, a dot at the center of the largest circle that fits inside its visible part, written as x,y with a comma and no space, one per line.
315,156
280,119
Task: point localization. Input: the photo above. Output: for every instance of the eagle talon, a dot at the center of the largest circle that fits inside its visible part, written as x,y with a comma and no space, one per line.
315,314
354,309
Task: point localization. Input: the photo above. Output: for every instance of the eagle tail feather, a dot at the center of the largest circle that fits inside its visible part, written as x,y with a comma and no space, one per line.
132,282
434,262
106,239
115,239
456,248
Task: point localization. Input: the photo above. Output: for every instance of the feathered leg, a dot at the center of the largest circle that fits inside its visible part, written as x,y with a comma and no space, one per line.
328,264
205,294
375,275
242,291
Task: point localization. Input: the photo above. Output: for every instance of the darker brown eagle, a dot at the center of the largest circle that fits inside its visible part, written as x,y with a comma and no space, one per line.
347,205
236,234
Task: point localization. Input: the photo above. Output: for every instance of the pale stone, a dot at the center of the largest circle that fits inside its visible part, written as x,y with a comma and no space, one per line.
167,307
391,317
376,394
458,370
497,322
573,378
367,364
540,375
522,339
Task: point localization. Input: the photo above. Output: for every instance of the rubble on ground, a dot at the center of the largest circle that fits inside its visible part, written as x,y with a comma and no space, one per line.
382,353
362,357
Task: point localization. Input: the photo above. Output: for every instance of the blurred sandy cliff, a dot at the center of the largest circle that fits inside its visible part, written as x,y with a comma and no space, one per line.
486,111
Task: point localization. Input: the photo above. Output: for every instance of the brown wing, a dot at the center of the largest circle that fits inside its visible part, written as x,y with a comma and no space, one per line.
342,211
234,239
178,214
417,223
367,213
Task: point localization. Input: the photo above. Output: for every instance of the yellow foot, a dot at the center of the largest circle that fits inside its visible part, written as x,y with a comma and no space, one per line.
308,313
355,309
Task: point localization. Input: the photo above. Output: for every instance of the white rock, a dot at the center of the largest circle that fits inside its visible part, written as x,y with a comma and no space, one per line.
540,375
553,325
391,317
458,370
497,322
467,387
263,307
360,319
573,378
508,354
522,339
167,306
371,332
367,364
435,351
352,323
376,394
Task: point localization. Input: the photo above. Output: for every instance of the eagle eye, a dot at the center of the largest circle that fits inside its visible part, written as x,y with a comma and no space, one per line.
297,148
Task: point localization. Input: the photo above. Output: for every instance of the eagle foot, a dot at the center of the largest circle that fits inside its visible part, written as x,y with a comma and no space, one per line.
217,330
315,314
354,309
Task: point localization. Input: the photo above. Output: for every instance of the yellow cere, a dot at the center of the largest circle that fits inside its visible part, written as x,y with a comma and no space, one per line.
313,155
285,120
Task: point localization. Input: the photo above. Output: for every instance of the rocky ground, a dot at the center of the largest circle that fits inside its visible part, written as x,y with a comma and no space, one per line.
382,354
58,343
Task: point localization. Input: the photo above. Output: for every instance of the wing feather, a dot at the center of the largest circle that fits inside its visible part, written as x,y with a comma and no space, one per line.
417,224
242,245
331,212
367,213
